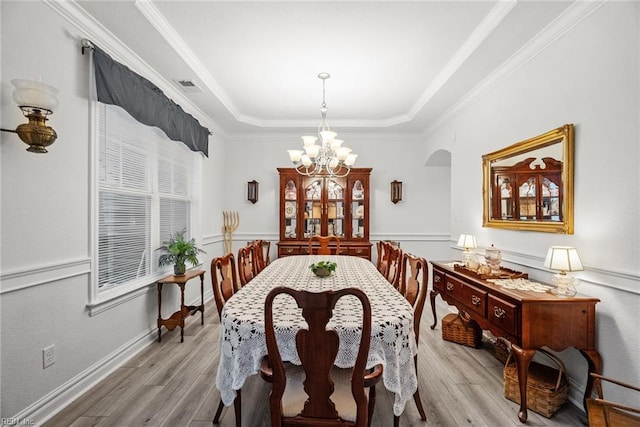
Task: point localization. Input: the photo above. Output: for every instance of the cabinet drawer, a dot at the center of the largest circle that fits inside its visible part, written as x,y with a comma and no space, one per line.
475,299
438,281
288,250
360,251
503,314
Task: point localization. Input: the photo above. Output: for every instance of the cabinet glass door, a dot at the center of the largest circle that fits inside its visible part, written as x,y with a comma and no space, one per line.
290,210
527,198
335,208
505,191
358,210
312,225
551,200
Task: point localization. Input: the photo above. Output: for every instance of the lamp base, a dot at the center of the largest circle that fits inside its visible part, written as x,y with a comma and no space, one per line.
466,257
564,285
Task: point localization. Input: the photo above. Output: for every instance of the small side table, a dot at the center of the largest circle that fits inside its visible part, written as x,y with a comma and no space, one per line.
177,318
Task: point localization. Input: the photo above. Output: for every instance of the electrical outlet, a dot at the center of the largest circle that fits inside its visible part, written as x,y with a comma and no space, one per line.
48,356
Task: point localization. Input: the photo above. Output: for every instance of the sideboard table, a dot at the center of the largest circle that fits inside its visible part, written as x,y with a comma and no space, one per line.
177,318
529,320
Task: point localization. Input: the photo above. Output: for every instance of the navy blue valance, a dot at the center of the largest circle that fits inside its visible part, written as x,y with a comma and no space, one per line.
116,84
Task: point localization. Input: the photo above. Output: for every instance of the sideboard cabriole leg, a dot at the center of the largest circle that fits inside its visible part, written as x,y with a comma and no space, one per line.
523,358
432,296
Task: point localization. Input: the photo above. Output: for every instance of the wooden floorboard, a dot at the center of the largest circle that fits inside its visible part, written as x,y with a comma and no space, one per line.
173,384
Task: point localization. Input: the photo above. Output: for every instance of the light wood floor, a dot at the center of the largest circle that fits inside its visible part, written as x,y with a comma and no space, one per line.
173,384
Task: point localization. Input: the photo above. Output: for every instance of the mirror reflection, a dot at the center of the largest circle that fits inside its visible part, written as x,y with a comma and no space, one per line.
529,185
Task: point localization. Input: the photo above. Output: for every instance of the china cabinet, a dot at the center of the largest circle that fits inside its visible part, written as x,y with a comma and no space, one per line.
324,206
528,192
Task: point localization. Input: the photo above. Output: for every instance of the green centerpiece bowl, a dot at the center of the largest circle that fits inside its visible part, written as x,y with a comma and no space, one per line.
323,268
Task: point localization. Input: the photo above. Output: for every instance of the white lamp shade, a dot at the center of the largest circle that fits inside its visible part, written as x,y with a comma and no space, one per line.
563,258
327,136
306,161
295,155
351,159
467,241
333,162
312,150
342,153
29,93
336,143
309,140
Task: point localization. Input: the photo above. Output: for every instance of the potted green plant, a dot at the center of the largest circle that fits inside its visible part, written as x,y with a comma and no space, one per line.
323,268
178,251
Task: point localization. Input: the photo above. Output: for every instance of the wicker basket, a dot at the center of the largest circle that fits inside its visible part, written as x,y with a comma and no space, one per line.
547,388
454,329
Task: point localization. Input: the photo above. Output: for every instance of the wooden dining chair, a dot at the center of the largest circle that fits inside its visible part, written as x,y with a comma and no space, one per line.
394,267
413,286
382,262
246,264
225,284
324,242
261,252
605,413
303,395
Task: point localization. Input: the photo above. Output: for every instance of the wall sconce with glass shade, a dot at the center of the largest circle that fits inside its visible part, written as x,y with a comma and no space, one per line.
467,242
37,100
563,259
396,191
252,191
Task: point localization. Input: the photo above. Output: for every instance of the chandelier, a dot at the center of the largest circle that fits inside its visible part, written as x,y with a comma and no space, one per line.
329,157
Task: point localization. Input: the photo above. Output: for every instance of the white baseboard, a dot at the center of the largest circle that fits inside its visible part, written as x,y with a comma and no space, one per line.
49,405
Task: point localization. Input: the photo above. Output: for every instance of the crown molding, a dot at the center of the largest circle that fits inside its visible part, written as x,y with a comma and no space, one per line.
486,27
107,41
566,21
160,23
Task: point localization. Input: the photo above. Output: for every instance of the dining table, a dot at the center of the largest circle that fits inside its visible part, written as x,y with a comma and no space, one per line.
242,338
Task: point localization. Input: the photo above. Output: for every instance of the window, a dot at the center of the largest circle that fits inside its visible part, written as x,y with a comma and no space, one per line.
144,195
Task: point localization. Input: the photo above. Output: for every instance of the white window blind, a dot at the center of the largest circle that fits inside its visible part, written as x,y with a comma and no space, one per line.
144,192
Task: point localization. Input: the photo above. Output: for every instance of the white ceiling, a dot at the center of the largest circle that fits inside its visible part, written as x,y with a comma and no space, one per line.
396,67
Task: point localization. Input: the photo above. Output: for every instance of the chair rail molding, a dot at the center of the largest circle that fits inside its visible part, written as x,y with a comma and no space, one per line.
43,274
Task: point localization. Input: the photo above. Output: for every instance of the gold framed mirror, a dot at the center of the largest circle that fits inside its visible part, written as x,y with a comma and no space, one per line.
529,185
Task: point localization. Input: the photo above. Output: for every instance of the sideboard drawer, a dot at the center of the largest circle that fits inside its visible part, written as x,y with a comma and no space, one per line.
438,280
473,298
361,251
503,314
288,250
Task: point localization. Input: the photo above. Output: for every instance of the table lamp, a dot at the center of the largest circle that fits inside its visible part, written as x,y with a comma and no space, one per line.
563,259
468,242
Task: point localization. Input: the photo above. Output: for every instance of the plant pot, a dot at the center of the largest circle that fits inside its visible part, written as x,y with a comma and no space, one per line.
179,269
322,272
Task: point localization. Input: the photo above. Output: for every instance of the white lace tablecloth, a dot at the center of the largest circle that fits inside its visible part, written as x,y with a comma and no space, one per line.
242,340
